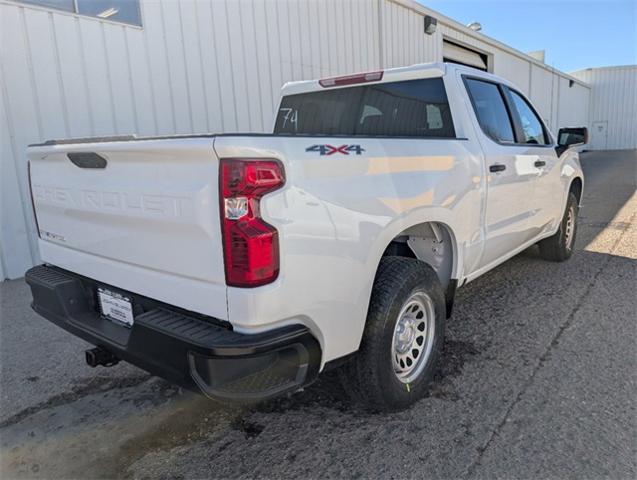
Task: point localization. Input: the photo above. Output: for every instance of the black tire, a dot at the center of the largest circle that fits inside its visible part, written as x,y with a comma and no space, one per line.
369,377
560,246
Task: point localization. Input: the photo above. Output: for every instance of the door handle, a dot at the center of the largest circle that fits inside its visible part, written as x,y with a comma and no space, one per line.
498,167
539,163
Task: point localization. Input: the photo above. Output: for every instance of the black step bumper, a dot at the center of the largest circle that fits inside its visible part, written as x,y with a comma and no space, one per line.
199,353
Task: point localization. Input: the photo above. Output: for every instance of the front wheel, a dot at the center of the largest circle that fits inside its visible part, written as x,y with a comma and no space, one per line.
559,247
403,337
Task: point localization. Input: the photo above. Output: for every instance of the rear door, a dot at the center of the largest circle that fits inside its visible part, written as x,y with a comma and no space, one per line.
510,172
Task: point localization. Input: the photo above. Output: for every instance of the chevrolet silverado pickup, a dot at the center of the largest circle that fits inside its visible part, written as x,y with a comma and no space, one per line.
244,265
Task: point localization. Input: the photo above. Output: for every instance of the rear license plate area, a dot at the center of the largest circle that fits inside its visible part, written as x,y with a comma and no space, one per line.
115,307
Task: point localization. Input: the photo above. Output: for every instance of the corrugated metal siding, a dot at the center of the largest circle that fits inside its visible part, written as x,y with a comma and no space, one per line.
404,40
573,104
613,100
196,66
514,69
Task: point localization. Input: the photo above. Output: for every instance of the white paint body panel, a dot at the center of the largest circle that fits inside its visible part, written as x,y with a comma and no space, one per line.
335,215
148,222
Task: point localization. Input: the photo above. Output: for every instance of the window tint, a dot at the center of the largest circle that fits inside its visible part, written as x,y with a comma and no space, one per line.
531,124
413,108
490,110
125,11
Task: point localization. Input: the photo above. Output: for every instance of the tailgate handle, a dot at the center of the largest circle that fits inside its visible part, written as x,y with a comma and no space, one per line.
87,159
497,167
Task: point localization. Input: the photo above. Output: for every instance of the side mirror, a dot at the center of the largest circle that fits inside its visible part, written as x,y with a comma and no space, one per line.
571,137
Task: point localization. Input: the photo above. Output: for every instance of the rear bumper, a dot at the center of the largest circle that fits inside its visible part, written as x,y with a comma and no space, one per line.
199,353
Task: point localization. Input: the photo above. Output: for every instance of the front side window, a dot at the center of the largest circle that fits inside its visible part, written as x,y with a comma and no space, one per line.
532,130
490,109
124,11
412,108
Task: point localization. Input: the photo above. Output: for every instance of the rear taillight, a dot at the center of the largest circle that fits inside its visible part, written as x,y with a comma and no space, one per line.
250,245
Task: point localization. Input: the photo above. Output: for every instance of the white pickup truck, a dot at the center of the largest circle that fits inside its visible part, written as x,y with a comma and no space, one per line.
243,265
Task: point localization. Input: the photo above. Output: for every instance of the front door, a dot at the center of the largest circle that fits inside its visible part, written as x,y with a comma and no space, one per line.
599,135
510,173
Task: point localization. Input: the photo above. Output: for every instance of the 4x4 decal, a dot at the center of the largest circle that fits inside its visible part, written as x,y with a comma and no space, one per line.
331,149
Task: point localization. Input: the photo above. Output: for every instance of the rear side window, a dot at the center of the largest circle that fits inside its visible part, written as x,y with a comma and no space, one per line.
413,108
490,109
532,130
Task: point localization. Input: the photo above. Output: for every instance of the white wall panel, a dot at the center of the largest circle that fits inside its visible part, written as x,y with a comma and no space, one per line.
514,69
193,60
613,101
403,38
24,123
543,94
573,104
74,94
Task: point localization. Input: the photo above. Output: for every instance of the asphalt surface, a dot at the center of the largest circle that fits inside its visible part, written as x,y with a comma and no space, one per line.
539,381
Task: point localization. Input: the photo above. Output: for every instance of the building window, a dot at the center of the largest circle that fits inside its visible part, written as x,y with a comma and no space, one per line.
124,11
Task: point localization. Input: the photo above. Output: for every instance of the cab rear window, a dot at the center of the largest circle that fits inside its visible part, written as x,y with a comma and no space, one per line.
412,108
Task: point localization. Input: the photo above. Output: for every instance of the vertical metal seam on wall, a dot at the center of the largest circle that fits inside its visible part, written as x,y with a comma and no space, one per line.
258,58
234,93
109,79
167,59
36,97
153,97
78,31
14,149
217,74
129,66
381,54
201,69
245,68
58,72
186,74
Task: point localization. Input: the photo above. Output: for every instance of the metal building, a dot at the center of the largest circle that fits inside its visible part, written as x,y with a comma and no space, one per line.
613,106
157,67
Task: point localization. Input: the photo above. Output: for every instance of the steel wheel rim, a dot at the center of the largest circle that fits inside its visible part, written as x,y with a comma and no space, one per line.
413,337
570,226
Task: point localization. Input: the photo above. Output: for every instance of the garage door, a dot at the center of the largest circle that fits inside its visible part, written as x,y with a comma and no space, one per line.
452,52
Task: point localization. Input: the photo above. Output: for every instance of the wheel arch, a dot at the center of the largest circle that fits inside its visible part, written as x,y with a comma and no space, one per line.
431,242
577,188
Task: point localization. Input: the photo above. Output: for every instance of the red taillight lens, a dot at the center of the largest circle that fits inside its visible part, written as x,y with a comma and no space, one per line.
250,245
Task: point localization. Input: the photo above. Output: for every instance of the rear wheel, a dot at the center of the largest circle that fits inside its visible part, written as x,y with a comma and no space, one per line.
403,337
559,247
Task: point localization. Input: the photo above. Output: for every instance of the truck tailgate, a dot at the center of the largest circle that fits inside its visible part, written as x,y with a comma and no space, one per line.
145,220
